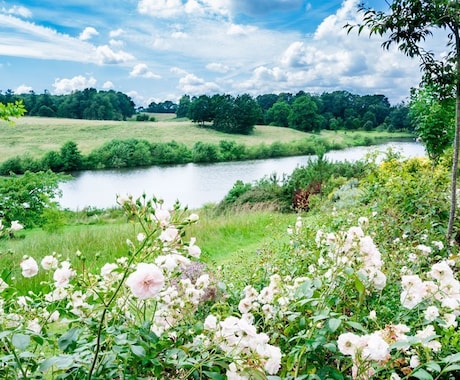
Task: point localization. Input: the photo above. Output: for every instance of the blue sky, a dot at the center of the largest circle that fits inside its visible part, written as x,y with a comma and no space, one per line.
155,50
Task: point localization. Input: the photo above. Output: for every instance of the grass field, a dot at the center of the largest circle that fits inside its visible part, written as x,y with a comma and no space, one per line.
35,135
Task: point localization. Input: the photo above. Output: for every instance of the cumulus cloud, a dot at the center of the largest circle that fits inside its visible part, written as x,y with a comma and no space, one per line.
88,33
142,70
240,30
105,55
108,85
68,85
218,67
332,60
18,10
116,33
193,85
23,89
174,8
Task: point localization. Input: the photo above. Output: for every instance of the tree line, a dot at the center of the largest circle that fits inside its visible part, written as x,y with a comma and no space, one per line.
86,104
338,110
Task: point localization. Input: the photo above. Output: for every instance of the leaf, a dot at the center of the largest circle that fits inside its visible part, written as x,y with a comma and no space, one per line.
452,358
433,366
214,375
20,341
138,351
450,368
61,362
68,339
333,324
421,374
356,326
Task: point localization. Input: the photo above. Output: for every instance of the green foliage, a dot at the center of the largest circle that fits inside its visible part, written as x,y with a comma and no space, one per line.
203,152
26,197
304,115
434,120
11,110
71,157
142,117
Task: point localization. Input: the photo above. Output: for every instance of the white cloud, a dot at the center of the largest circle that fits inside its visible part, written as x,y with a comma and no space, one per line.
108,85
142,70
105,55
116,33
88,33
218,67
193,85
18,10
23,89
160,8
240,30
66,86
116,43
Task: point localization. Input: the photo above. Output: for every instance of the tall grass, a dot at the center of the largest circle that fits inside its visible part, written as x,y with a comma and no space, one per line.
232,239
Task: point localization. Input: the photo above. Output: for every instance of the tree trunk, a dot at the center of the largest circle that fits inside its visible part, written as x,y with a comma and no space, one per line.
453,199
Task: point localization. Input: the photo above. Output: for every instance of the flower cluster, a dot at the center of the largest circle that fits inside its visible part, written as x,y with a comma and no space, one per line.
441,288
239,339
352,249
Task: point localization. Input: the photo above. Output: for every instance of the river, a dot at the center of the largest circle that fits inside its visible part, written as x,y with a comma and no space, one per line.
194,185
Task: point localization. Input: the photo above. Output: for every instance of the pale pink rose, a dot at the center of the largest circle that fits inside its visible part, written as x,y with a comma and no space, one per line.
169,234
16,226
49,262
146,281
194,250
348,343
63,275
163,216
210,323
29,267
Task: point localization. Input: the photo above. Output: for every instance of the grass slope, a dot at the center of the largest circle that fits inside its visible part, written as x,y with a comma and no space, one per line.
36,135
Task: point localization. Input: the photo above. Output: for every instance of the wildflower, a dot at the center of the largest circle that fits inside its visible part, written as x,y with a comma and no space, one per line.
376,348
16,226
210,323
49,262
63,275
424,249
194,250
414,361
431,313
107,271
372,315
298,224
438,244
146,281
162,216
140,237
193,217
34,326
29,267
441,271
169,234
349,343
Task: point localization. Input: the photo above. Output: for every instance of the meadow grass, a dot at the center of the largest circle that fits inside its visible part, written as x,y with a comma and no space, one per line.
232,240
34,136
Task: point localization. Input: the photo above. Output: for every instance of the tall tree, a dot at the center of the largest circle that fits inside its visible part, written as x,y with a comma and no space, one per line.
408,23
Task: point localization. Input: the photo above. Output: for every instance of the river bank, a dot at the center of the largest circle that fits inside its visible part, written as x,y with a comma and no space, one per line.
194,184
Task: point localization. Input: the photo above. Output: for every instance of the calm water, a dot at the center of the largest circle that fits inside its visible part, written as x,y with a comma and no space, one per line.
195,184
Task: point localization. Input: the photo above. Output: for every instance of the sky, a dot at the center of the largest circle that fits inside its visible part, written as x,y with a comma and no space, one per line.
157,50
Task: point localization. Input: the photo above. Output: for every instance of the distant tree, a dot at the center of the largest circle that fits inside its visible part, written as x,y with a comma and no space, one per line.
201,110
278,114
304,115
248,112
408,23
71,157
183,108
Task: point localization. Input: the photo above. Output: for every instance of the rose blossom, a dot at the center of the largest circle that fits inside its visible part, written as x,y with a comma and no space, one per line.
146,281
29,267
16,226
63,275
49,262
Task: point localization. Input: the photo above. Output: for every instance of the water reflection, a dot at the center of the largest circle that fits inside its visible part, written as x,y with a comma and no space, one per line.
195,184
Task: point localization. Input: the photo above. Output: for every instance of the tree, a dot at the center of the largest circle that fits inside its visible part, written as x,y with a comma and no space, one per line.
183,109
71,157
434,120
407,24
278,114
200,110
304,115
